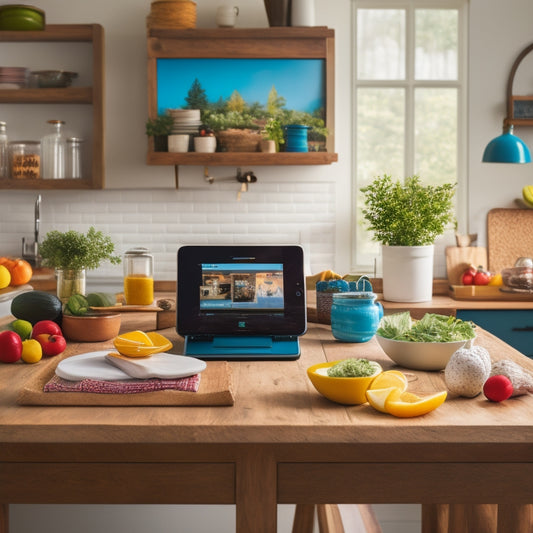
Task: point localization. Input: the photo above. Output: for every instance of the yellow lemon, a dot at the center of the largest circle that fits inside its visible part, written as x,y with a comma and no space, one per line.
31,351
408,404
496,280
138,336
141,344
377,398
5,277
390,378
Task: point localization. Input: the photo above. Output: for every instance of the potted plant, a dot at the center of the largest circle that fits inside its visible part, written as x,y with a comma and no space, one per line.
273,136
160,128
71,254
407,218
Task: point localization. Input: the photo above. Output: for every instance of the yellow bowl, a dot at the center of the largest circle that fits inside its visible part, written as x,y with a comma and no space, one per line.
348,391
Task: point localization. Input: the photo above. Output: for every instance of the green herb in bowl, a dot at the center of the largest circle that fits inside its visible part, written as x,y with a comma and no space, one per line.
352,368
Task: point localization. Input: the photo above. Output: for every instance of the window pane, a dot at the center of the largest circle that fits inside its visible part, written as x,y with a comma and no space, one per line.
380,133
381,44
436,135
436,38
380,137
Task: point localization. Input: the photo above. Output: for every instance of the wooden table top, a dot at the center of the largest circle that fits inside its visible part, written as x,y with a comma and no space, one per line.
274,402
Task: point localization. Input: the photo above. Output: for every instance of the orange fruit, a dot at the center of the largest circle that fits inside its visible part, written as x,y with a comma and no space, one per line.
390,378
21,272
5,261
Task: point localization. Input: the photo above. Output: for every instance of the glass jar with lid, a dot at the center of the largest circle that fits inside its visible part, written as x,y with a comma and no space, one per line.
138,277
4,172
74,158
53,146
24,159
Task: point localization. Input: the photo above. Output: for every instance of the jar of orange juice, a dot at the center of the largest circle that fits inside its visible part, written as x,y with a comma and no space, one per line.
138,277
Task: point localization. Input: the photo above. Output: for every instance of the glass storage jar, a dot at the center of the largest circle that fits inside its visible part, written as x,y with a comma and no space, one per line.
3,151
53,146
74,158
24,159
138,277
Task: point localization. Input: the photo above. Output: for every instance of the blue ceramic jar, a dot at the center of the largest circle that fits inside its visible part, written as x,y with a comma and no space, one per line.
296,138
355,316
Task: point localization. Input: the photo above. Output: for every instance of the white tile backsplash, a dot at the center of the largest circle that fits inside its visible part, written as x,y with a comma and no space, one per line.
162,220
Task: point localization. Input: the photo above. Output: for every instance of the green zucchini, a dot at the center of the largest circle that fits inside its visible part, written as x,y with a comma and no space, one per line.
34,306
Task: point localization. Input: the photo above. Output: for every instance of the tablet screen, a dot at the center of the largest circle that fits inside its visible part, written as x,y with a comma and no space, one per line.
241,289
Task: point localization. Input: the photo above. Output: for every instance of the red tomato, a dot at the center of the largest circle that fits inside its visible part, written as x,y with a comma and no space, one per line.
482,277
468,276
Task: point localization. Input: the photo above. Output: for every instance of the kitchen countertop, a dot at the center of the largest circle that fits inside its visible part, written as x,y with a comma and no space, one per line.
302,447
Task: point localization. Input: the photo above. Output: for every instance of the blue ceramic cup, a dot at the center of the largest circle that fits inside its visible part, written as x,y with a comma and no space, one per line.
355,316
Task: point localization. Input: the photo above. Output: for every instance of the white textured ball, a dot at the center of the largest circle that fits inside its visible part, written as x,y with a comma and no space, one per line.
467,370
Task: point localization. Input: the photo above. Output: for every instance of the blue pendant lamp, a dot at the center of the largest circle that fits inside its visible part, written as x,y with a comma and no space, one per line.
508,148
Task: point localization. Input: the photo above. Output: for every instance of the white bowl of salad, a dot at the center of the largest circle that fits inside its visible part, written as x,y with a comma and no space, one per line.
425,344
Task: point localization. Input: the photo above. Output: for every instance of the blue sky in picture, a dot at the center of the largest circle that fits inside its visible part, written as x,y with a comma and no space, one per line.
300,81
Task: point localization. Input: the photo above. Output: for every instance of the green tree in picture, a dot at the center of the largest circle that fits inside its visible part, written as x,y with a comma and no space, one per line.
275,103
236,102
196,97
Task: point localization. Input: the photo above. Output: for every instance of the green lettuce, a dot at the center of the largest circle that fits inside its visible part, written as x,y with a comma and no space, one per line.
430,328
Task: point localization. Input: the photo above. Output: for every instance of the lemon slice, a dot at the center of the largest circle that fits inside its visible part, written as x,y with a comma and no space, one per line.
138,336
377,398
390,378
408,404
159,340
141,344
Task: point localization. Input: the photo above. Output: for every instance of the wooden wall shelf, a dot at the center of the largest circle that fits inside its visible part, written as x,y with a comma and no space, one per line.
245,43
92,96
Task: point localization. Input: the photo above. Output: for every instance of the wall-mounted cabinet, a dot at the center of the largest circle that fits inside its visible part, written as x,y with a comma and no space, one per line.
305,46
89,95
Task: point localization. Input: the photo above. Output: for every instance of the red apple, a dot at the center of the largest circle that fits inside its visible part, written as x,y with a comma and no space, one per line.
10,347
45,326
51,344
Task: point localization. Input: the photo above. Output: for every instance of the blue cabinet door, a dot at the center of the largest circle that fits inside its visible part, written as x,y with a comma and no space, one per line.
514,326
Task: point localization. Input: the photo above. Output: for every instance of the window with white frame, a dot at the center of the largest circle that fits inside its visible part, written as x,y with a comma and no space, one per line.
409,100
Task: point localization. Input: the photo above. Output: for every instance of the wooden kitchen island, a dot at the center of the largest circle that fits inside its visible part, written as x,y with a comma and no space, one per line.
281,442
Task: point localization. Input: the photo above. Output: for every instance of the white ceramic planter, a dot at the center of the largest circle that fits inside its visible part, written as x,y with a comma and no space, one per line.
407,273
205,144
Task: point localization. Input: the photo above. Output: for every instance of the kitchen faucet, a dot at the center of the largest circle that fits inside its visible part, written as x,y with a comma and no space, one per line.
30,250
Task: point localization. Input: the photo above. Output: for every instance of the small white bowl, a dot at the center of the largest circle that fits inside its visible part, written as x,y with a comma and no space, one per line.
421,355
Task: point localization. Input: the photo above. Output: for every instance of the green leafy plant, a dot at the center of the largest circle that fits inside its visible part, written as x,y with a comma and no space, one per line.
274,131
161,125
76,251
408,213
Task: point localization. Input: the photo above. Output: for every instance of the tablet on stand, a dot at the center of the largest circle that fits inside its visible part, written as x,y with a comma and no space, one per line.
241,302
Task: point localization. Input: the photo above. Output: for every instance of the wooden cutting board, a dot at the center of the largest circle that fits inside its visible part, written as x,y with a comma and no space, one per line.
509,236
458,259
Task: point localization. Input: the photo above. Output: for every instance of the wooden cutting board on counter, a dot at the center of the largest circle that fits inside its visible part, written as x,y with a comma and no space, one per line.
509,236
459,258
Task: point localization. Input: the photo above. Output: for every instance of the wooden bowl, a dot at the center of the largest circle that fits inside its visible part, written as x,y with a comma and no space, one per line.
91,328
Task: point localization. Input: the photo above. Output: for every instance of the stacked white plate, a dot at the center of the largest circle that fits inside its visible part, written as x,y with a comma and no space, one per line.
186,121
13,77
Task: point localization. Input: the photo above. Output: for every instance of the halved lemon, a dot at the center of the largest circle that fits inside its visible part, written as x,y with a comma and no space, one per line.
141,344
390,378
137,336
377,398
407,404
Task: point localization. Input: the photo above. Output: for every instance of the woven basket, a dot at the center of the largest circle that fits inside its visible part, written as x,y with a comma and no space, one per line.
235,140
172,14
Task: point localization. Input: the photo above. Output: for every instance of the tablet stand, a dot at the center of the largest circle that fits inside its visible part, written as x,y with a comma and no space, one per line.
242,347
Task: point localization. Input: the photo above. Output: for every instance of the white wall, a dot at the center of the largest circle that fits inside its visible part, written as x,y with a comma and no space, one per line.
308,204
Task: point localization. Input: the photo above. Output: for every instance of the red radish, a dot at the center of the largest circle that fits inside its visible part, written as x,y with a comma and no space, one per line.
498,388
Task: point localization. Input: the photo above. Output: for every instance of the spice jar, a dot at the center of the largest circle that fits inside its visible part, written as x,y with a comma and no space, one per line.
74,158
138,277
25,159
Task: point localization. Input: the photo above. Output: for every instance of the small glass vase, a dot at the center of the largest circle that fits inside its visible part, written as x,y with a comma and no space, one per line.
69,282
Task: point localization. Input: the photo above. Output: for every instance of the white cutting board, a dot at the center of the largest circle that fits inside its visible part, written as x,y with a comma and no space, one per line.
93,365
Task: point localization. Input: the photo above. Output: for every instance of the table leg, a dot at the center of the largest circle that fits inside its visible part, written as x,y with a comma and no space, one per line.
256,492
304,518
515,518
435,518
473,518
329,518
4,518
